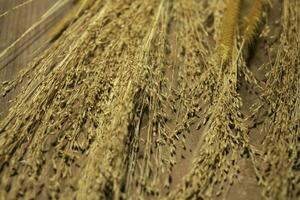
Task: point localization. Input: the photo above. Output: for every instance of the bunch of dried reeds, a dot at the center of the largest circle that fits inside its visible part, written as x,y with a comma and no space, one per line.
105,112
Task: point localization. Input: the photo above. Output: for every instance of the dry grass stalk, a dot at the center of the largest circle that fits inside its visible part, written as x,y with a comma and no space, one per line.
252,21
228,30
102,98
280,165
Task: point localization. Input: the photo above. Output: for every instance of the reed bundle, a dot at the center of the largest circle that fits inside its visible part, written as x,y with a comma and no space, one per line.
109,109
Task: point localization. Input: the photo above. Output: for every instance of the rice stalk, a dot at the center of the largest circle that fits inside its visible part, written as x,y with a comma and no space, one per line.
77,9
224,134
228,30
252,21
121,88
280,166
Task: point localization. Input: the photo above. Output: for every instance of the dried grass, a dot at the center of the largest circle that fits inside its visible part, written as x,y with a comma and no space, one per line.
122,86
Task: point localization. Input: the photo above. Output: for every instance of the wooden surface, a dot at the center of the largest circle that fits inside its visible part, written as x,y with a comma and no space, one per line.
12,26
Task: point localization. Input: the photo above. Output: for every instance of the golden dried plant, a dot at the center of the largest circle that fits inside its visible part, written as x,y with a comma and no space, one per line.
107,110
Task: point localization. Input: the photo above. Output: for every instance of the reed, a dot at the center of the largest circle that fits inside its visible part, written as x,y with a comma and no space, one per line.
252,21
126,85
228,30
